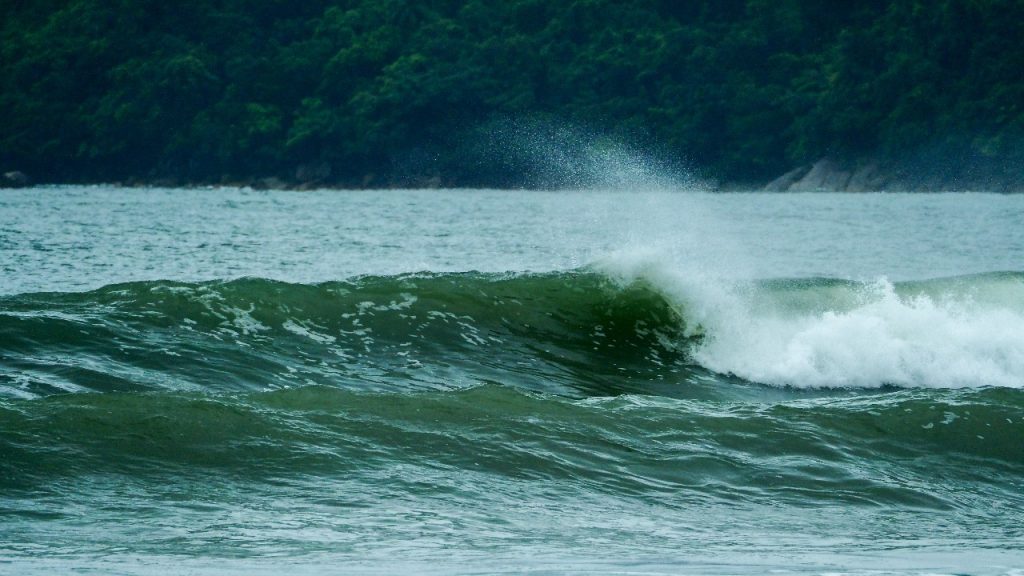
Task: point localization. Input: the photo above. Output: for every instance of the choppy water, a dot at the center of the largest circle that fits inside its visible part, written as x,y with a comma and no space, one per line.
230,381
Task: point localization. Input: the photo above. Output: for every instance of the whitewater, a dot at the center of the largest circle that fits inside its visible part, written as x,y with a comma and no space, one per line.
645,379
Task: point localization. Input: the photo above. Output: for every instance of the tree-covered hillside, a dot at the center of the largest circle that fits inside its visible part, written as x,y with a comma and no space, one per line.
381,92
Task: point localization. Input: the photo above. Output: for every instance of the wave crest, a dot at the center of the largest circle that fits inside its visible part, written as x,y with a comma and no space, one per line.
943,333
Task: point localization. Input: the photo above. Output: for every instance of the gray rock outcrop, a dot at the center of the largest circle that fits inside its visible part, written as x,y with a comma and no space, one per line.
824,175
829,176
15,179
785,182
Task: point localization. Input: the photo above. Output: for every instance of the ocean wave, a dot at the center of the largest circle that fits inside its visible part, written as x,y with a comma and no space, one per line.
616,327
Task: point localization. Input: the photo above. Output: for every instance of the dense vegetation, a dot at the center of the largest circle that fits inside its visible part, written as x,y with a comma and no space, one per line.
391,91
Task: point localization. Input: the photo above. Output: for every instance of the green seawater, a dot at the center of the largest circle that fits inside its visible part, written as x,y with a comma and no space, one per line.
480,382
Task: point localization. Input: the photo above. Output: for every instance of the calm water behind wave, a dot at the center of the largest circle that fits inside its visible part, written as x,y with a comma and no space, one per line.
63,239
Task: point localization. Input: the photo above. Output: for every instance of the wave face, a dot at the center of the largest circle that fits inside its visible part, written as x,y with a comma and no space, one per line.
395,416
560,333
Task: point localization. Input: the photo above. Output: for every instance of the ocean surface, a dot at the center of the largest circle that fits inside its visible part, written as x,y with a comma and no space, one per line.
229,381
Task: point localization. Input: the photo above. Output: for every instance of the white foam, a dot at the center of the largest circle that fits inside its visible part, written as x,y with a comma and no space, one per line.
300,328
944,341
913,342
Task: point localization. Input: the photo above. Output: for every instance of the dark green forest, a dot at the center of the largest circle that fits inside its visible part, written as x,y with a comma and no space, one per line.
400,92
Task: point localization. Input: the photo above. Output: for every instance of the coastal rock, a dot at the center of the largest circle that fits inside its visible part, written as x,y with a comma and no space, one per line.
825,175
15,179
829,176
867,178
785,182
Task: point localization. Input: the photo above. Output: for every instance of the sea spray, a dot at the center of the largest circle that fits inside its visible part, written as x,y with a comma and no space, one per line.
555,154
853,334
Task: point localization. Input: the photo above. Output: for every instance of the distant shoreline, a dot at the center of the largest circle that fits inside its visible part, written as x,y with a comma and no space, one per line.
825,175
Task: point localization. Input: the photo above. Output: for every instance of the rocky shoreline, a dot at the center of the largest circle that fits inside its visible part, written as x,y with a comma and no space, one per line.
828,175
825,175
